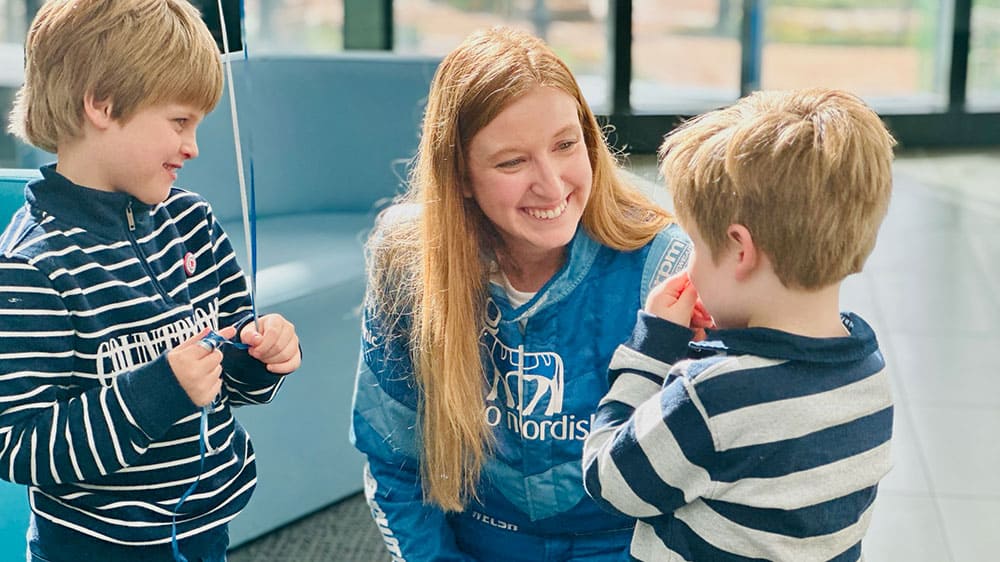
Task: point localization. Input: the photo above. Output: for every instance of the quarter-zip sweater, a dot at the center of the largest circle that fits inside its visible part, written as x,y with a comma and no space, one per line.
95,288
754,444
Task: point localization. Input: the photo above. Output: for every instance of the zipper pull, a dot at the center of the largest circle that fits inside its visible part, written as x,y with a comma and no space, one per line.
130,217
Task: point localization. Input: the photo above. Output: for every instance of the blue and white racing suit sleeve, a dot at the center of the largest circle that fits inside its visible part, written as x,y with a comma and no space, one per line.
668,254
384,427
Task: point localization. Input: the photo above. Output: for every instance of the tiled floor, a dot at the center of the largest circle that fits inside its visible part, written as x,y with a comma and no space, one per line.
932,288
932,291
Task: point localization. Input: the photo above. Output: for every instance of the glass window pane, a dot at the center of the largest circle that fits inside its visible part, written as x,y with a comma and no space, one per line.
984,56
575,29
685,54
14,15
13,27
894,53
294,26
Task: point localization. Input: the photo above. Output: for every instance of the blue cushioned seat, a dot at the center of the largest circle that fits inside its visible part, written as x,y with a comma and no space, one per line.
330,138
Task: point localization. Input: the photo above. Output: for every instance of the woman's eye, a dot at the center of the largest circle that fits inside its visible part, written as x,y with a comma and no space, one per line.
510,163
566,145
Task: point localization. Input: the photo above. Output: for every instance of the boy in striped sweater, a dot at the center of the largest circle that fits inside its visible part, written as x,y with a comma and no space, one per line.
110,410
765,437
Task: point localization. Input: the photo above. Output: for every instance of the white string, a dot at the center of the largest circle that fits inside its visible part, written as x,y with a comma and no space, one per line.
227,62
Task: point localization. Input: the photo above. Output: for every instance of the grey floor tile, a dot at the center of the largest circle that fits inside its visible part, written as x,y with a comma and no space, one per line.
962,177
972,526
985,244
857,295
941,253
935,304
914,207
343,532
905,528
645,165
960,448
947,370
908,474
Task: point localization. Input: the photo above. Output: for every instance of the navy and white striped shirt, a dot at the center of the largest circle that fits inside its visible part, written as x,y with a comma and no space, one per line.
95,287
768,447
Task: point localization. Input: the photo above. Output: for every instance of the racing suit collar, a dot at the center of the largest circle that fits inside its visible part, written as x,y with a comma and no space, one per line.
581,253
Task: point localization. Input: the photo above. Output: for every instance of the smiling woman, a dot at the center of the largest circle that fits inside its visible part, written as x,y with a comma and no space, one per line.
517,258
530,175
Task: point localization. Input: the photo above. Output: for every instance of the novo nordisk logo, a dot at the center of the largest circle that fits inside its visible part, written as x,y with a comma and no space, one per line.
527,384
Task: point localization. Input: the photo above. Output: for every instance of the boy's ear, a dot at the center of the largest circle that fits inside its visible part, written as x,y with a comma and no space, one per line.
746,254
97,112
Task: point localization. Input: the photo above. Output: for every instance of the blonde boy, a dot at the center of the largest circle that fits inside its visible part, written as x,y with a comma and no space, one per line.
765,439
109,279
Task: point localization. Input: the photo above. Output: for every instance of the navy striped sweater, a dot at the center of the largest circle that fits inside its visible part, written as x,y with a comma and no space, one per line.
95,287
768,447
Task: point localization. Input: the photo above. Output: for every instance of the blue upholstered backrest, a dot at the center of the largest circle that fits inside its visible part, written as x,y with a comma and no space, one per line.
12,191
328,133
13,497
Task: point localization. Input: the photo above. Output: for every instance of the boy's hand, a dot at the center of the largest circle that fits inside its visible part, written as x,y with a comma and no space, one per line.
676,300
276,345
199,370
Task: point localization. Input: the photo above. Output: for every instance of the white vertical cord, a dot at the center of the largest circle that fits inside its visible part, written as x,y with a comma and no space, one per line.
239,158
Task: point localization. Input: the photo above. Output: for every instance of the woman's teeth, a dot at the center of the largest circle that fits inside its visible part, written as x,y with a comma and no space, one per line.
548,214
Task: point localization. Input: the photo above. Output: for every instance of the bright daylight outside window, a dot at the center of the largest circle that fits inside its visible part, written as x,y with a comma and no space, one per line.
294,26
13,26
685,54
575,29
984,57
894,53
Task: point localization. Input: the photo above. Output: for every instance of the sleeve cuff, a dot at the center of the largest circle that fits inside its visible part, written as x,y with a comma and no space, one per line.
239,365
660,339
154,397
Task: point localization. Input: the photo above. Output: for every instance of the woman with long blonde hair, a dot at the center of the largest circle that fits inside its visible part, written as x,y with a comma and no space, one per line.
499,286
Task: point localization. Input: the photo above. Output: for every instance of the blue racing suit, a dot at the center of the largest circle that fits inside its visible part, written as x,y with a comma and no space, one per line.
546,371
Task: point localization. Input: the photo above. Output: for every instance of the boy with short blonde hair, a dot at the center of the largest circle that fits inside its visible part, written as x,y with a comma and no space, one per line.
111,413
767,437
139,54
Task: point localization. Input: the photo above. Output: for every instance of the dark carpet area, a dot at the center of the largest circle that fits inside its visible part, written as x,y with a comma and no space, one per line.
343,532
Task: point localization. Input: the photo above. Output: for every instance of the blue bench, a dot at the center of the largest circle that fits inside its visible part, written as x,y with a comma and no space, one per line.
13,497
330,140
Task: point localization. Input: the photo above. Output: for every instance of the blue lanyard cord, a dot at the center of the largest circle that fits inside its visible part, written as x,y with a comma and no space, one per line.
252,246
247,197
212,340
250,217
178,557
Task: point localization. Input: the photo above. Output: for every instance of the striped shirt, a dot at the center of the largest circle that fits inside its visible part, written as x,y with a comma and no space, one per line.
95,287
762,446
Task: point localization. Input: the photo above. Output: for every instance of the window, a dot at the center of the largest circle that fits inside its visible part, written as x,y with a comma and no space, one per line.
984,54
575,29
894,53
685,54
13,27
294,26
